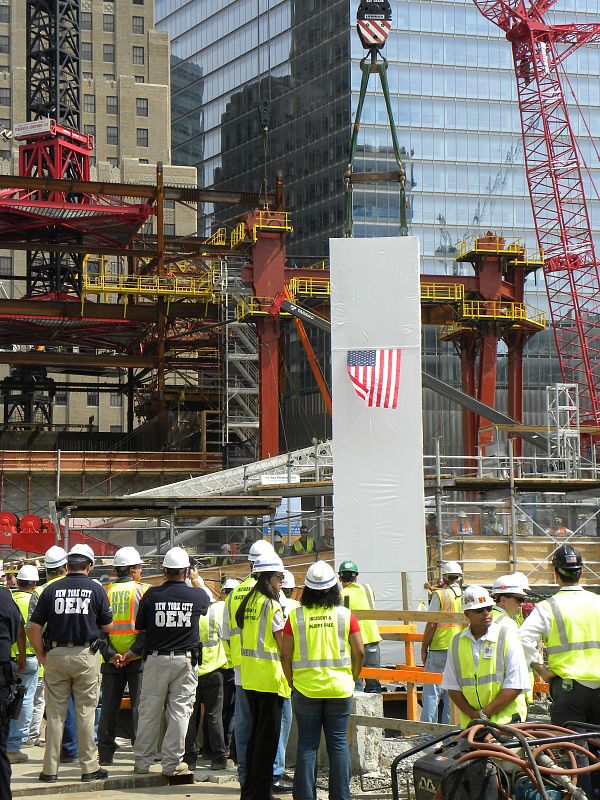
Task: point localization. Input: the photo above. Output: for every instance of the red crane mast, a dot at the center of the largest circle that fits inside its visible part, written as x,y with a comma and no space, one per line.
558,201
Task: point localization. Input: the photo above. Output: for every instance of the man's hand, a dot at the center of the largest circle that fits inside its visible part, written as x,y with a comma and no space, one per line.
127,658
194,574
545,674
21,662
117,660
424,651
41,657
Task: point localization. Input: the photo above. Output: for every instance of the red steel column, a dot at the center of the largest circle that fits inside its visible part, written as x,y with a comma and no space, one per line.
468,355
268,278
487,381
515,341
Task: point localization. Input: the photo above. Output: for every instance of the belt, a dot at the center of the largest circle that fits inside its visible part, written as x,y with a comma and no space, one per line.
170,652
70,644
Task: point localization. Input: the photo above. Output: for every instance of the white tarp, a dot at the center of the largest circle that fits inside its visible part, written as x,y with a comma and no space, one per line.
378,465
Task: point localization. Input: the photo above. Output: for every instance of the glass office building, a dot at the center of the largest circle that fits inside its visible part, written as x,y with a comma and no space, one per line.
454,99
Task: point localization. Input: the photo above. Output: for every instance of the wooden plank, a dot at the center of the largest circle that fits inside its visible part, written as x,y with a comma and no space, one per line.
402,725
412,616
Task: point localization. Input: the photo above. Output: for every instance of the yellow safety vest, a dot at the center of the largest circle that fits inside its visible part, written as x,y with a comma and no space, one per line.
124,599
573,645
22,600
213,652
321,660
360,597
231,606
500,617
299,548
451,603
481,686
261,669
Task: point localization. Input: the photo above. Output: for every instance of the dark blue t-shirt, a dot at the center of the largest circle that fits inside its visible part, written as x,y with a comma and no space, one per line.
170,615
73,609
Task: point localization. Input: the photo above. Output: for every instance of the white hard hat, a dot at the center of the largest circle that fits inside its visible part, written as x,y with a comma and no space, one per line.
476,597
508,584
320,576
289,582
259,548
268,562
176,558
277,538
523,579
28,573
82,550
226,547
523,518
462,514
451,568
127,557
55,557
230,583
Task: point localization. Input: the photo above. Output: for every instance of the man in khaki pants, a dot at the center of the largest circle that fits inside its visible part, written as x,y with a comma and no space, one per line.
74,609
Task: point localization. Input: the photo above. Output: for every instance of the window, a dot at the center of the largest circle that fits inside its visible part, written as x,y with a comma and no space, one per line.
86,51
4,44
147,229
169,204
60,398
143,161
87,76
93,399
114,162
108,52
92,268
138,2
116,429
137,25
141,106
140,79
116,399
5,13
169,229
112,134
108,23
5,155
86,20
109,76
142,137
112,105
5,122
89,103
4,97
138,55
5,265
90,130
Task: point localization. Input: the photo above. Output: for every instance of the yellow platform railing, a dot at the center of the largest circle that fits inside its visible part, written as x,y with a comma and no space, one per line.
442,292
310,287
499,309
271,220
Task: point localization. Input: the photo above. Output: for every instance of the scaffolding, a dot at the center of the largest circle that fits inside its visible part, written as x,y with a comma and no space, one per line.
563,428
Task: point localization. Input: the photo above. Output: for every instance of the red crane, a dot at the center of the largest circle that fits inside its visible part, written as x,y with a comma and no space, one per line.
558,201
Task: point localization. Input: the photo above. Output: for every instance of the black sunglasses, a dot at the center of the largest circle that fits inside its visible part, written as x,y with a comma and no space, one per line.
516,597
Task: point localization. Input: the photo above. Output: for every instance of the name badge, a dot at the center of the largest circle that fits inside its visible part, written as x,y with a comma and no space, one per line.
488,649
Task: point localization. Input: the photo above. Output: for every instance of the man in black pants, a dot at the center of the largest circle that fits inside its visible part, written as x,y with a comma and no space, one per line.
124,596
11,631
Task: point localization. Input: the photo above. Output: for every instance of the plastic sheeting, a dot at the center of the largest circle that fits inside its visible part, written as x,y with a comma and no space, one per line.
378,464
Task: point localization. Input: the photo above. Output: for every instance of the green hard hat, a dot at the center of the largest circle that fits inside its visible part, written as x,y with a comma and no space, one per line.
348,566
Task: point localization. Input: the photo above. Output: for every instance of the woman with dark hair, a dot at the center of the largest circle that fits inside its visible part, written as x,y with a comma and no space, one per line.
260,620
322,655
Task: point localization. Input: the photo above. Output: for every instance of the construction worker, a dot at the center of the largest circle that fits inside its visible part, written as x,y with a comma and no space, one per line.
260,620
559,529
485,671
74,609
490,524
287,590
569,624
11,631
279,545
326,542
224,559
231,633
360,597
437,637
322,656
27,578
209,692
228,676
509,594
461,525
119,670
305,544
170,616
55,563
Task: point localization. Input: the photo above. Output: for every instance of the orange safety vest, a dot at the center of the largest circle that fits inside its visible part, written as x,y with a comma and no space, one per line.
124,600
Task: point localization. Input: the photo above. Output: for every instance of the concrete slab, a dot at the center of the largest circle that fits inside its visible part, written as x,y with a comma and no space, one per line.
122,779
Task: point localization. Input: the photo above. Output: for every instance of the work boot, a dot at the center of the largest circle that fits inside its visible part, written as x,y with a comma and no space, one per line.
179,770
218,763
98,775
17,757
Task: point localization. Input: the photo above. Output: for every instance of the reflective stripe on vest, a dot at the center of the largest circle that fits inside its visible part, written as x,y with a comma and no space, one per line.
22,600
360,597
321,660
573,644
124,633
300,548
231,606
445,632
480,689
213,652
261,669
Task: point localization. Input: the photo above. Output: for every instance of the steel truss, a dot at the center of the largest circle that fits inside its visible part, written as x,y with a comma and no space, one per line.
556,188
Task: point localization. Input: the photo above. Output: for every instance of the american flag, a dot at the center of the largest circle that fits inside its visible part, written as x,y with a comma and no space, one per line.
375,375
